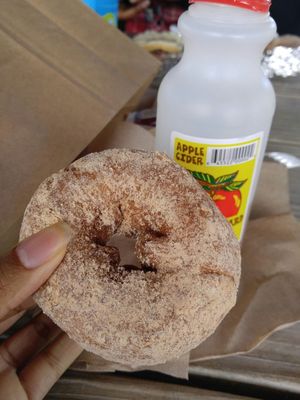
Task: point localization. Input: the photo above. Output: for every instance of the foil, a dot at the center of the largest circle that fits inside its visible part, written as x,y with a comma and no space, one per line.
282,62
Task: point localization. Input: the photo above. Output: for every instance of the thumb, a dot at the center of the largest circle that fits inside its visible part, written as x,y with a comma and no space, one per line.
29,265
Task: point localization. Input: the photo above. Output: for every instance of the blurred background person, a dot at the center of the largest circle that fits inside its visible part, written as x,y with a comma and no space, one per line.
136,16
131,8
158,16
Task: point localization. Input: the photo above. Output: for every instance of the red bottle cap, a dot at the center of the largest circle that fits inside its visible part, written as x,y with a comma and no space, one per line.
254,5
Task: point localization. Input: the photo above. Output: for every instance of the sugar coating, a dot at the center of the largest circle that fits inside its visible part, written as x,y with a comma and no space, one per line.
189,268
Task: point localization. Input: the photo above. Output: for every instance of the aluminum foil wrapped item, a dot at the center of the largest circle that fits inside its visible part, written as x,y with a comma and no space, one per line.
282,61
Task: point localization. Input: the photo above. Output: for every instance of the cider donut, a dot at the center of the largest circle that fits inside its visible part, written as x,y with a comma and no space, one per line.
189,258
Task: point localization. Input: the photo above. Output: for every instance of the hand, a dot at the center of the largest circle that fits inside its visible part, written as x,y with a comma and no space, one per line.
36,356
136,7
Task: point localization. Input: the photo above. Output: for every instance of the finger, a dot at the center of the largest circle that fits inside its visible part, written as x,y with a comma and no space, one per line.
41,374
6,324
23,284
26,343
10,386
25,306
20,276
132,11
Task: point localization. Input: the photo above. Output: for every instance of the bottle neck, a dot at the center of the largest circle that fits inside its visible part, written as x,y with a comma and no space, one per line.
223,13
216,35
218,52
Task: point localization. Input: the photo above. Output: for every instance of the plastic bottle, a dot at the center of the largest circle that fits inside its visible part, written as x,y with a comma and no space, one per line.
215,107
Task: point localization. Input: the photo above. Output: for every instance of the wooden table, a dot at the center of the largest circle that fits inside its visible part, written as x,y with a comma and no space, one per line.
272,371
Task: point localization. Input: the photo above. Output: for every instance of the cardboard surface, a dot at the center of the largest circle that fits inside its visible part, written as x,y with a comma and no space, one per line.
65,74
121,135
269,291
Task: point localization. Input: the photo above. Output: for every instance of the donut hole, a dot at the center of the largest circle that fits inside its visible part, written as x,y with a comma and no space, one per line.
156,234
126,246
128,259
144,268
98,241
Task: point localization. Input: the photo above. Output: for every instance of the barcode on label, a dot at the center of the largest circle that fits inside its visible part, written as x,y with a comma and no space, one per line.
231,155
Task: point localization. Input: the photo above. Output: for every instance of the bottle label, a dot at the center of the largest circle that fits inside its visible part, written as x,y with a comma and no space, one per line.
225,168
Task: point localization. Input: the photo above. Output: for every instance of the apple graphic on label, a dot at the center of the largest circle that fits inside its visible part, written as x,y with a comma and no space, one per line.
229,203
224,190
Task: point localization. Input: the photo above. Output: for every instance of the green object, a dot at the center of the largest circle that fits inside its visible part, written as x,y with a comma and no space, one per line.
110,18
108,9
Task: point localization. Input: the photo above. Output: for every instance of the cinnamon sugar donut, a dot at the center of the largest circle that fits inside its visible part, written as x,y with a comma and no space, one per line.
189,257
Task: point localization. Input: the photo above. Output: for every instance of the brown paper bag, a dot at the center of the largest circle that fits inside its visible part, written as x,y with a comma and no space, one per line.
65,75
270,285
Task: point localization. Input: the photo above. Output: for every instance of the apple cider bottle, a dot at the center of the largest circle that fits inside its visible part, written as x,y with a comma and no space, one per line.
215,107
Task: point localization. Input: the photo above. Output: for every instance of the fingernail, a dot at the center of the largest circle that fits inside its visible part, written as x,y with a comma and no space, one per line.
42,246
